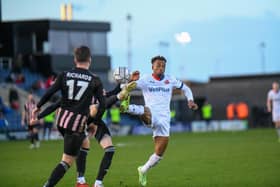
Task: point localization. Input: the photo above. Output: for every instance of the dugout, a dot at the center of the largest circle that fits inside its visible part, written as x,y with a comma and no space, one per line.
51,42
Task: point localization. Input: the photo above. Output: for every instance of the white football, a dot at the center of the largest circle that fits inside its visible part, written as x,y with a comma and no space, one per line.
121,74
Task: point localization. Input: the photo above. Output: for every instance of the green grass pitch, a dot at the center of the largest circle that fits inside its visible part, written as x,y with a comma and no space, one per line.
223,159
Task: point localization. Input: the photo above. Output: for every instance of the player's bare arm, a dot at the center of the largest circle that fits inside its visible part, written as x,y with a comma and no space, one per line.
268,105
135,75
22,119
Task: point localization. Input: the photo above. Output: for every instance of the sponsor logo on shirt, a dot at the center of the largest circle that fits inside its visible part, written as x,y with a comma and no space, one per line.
158,89
166,82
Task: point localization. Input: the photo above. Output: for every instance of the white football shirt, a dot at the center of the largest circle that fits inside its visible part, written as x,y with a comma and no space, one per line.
157,93
275,98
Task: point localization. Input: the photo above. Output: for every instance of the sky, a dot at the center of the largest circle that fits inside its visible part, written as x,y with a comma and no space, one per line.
225,35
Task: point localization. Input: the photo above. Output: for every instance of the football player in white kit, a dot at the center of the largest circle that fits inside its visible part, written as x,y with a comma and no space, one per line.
273,105
157,91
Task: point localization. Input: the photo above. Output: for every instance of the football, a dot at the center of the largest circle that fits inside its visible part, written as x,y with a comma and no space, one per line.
121,74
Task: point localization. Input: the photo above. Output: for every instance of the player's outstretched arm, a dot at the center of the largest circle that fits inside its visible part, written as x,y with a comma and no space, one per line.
23,117
115,91
36,117
51,108
135,76
192,105
110,101
188,93
268,105
50,92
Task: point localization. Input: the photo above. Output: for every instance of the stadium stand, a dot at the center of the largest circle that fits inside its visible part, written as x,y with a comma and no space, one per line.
32,82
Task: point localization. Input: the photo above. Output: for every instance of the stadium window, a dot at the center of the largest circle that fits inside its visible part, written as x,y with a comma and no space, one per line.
98,43
58,42
77,38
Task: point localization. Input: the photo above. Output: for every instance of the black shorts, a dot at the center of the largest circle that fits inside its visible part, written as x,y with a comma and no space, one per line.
72,141
101,131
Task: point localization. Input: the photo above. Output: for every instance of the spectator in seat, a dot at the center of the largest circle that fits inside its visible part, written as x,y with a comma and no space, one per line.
14,99
50,80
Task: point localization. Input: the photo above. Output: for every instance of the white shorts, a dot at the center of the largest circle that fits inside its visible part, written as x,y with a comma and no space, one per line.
160,125
276,116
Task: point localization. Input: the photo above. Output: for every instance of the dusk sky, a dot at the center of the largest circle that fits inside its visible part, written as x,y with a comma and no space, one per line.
225,35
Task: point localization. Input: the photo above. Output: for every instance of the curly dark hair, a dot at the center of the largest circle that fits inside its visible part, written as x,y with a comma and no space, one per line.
158,58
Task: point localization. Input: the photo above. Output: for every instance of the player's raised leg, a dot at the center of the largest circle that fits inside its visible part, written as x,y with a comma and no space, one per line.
126,89
142,111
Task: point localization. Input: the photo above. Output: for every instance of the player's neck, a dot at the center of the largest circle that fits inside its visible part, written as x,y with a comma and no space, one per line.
158,77
82,65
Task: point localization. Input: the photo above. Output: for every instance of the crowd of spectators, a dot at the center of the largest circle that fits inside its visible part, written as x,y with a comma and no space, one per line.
22,68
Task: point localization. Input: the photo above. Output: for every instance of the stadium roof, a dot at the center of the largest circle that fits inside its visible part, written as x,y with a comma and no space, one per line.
60,25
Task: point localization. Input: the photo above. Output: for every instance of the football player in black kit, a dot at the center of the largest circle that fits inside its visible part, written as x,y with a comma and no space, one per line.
101,132
78,86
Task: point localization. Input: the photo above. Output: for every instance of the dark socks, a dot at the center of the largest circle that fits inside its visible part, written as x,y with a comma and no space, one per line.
106,162
32,138
81,162
57,174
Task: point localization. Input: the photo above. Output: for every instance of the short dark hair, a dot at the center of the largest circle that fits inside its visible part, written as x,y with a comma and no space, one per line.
158,58
82,54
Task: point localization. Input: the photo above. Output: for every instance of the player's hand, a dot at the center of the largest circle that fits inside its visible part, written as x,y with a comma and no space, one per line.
35,112
93,110
34,121
192,105
91,130
268,109
135,76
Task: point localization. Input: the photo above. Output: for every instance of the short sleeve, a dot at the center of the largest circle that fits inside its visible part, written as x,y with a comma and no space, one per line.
142,83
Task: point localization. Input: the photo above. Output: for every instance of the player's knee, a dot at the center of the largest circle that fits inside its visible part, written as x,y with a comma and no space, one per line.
106,141
68,159
65,165
86,143
110,149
